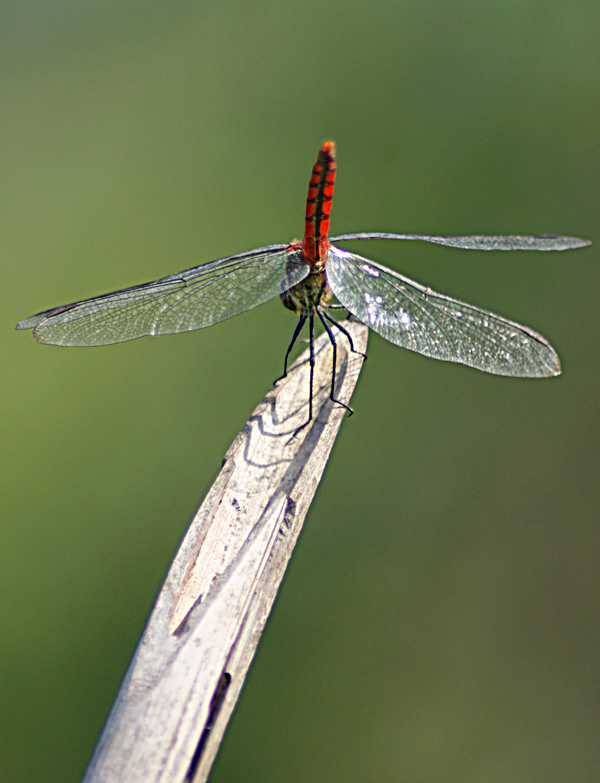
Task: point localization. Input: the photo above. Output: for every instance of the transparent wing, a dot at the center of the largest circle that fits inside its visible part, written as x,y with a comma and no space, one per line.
541,242
415,317
181,302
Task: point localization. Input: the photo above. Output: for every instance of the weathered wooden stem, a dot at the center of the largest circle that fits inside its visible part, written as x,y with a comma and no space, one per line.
187,672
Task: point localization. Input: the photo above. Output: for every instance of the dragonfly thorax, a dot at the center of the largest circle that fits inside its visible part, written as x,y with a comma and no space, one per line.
305,297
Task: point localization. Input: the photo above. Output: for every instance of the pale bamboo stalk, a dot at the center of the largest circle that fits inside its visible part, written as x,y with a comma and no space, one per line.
184,680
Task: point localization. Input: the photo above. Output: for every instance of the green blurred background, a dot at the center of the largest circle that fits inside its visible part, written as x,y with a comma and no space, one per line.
439,620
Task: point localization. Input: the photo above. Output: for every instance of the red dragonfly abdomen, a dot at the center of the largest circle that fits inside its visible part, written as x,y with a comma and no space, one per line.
318,206
314,292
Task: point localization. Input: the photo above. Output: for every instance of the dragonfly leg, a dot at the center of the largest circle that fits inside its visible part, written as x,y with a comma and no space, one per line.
297,331
334,345
343,331
311,331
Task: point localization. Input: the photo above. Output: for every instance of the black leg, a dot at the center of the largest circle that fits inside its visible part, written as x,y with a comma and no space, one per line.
311,332
297,331
343,331
334,345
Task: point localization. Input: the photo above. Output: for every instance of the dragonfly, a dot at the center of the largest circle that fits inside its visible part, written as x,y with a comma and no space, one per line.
307,275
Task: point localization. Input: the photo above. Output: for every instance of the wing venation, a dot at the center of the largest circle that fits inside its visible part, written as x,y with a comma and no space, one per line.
182,302
415,317
539,242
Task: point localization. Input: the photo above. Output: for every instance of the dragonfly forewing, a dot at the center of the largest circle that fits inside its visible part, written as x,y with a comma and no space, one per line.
188,300
415,317
539,242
